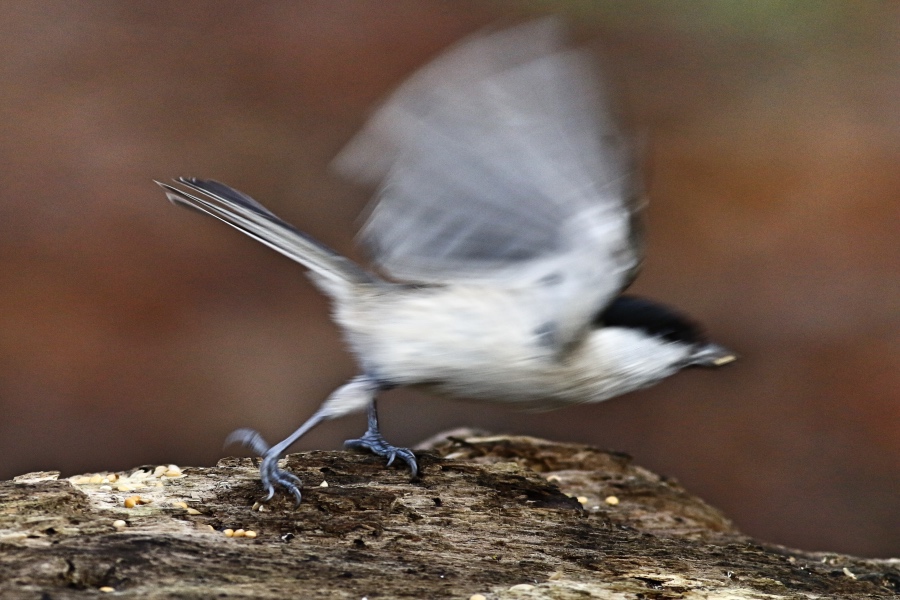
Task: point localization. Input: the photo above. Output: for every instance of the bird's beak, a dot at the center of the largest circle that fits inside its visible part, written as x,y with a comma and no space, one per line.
711,356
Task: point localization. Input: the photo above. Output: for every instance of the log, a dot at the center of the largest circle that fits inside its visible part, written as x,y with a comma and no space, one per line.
503,517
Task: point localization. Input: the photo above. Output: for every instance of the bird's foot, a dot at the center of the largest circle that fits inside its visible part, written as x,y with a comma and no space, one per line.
271,475
375,443
269,472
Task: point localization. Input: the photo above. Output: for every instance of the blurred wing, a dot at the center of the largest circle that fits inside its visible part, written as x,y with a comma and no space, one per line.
498,153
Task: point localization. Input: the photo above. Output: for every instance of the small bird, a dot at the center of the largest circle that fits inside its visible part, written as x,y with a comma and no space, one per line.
503,233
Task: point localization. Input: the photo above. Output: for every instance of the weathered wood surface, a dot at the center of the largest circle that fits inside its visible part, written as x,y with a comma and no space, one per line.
490,516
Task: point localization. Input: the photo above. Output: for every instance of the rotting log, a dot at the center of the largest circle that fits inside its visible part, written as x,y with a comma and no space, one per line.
501,516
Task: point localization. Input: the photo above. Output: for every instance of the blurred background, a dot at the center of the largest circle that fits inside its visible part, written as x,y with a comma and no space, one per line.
133,332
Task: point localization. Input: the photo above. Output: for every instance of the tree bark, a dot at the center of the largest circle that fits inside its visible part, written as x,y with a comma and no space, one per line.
504,517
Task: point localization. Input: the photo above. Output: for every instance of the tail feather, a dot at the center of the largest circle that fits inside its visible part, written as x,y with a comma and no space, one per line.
250,217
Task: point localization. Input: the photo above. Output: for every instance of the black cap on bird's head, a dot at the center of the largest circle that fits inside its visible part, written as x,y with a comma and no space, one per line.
663,322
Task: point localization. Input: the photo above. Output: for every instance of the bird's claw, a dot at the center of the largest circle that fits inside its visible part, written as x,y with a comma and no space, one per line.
271,476
249,438
269,472
375,443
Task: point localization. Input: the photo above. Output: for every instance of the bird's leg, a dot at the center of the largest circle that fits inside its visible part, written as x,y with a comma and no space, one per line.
348,398
374,442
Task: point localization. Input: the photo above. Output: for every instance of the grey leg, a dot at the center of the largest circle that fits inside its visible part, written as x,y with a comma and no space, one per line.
351,397
373,441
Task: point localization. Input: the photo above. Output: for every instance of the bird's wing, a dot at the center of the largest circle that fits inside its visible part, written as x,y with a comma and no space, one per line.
500,159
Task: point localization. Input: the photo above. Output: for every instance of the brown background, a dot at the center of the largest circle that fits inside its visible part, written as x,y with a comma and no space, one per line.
132,332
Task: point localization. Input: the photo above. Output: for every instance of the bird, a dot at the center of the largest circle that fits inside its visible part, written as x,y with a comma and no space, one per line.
504,229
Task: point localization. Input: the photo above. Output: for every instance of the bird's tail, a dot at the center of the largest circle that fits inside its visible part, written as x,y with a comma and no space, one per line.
249,216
